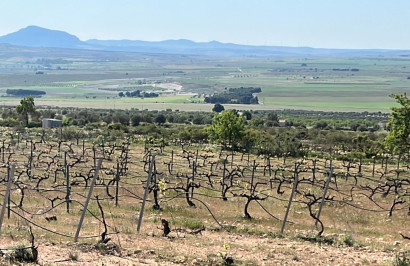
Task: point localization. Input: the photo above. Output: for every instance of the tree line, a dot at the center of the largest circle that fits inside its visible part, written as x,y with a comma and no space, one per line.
251,131
138,94
24,93
235,96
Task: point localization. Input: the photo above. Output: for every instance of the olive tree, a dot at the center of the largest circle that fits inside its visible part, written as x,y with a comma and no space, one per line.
227,128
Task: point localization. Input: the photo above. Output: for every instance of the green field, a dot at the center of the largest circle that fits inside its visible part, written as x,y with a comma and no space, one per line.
287,83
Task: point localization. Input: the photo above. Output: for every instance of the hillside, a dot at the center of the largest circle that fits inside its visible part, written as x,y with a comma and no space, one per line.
33,36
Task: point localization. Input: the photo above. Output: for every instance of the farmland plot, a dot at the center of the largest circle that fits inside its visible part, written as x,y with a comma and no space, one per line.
219,206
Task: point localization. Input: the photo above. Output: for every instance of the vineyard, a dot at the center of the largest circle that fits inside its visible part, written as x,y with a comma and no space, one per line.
109,197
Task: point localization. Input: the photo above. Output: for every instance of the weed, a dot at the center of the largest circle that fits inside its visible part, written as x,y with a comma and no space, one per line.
107,249
73,256
348,240
402,259
327,240
192,223
275,234
359,218
155,219
24,254
116,215
175,210
226,259
127,230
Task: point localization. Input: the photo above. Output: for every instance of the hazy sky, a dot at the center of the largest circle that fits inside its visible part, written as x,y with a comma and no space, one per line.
314,23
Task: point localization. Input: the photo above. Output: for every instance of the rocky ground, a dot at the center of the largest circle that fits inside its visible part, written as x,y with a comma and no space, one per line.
209,248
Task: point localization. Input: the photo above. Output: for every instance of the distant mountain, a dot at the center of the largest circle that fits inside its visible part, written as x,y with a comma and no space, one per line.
34,36
215,48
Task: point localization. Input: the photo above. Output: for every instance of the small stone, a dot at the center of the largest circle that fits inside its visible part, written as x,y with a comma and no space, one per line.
179,259
137,251
396,243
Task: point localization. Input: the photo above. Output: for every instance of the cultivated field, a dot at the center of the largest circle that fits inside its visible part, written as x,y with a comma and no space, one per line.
94,80
222,207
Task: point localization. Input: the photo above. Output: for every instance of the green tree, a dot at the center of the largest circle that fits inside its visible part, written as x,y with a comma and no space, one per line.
398,138
135,120
227,128
218,108
160,119
251,138
26,107
273,117
247,115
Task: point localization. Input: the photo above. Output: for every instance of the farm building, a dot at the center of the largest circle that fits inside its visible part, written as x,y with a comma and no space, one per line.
282,123
51,123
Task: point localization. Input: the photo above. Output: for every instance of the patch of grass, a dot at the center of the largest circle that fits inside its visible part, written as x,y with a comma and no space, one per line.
331,240
211,192
327,240
190,223
250,230
370,232
155,219
359,218
116,215
175,210
275,234
126,230
347,240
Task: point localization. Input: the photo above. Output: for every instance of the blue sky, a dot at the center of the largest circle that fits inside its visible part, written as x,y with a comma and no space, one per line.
314,23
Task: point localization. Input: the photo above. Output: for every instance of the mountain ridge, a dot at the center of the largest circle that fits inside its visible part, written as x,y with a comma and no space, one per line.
34,36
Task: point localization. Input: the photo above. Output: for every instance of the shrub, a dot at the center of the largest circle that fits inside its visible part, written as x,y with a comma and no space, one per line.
24,254
348,240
